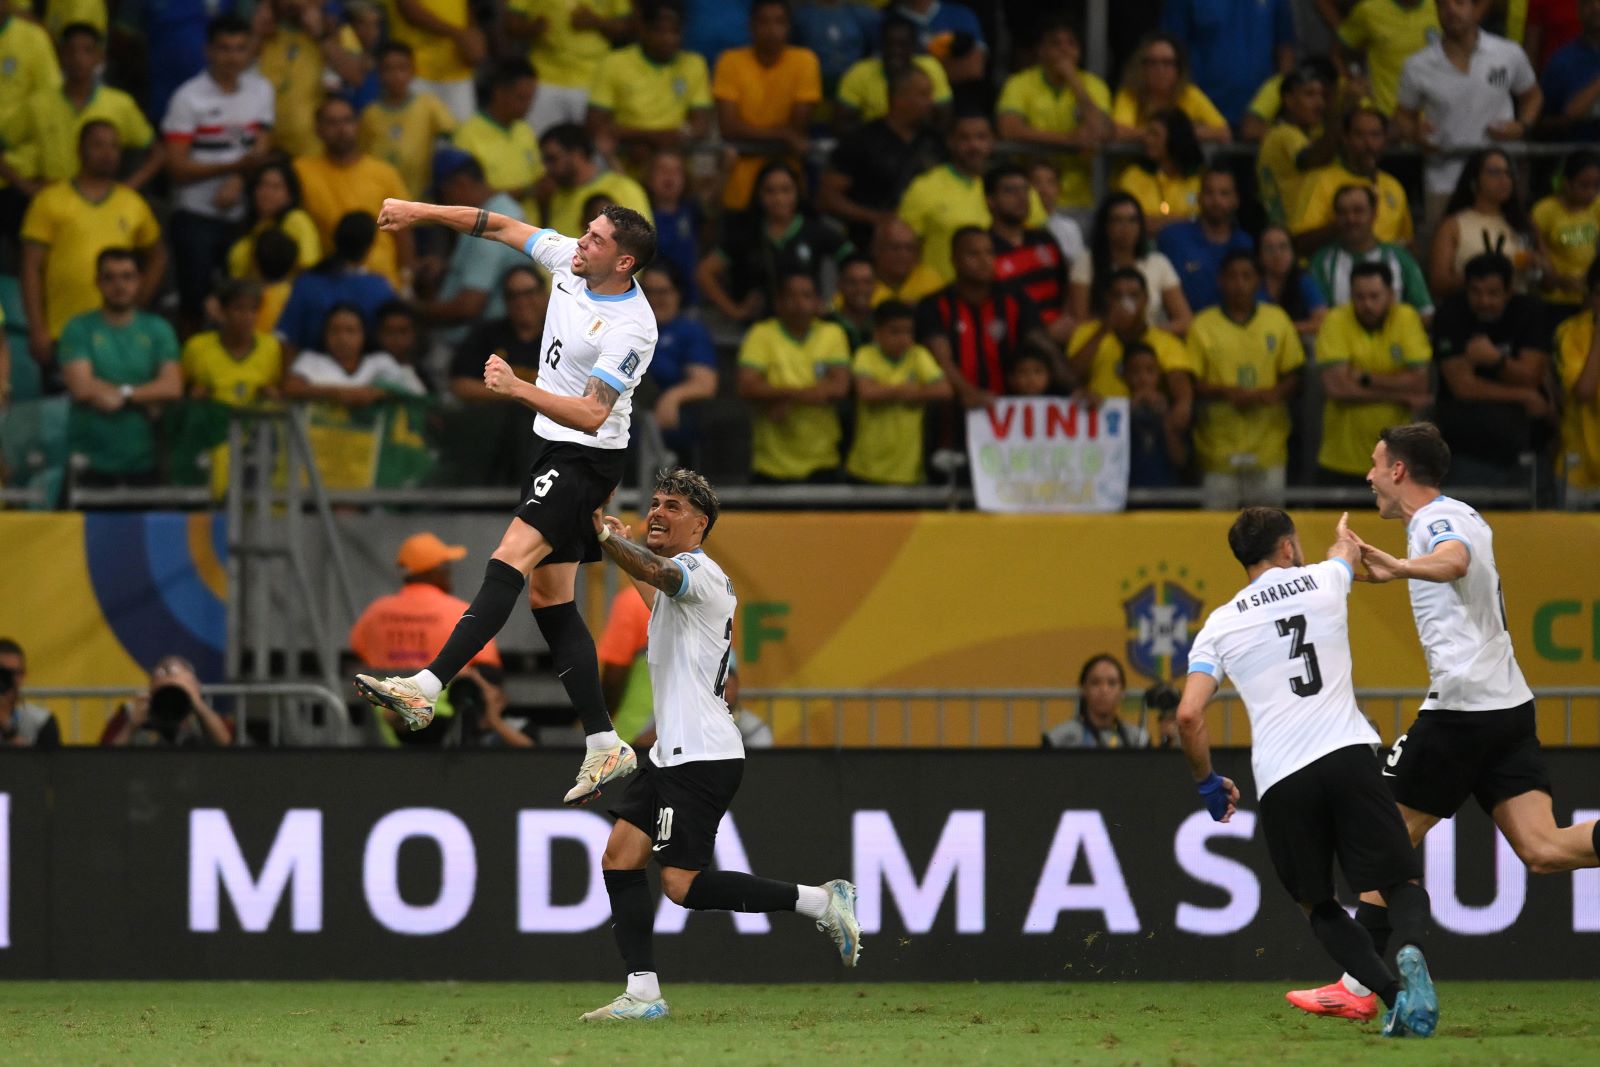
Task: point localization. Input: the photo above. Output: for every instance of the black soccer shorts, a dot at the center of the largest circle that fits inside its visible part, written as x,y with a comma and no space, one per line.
565,484
1448,756
1336,807
681,807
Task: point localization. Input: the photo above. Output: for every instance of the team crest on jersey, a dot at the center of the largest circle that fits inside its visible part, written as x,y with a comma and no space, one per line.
1396,354
1272,342
1440,527
1162,618
594,329
630,364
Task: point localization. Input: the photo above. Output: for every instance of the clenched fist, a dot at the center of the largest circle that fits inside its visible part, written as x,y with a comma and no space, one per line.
397,215
499,378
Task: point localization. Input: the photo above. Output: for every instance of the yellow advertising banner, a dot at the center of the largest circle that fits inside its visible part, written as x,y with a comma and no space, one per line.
958,600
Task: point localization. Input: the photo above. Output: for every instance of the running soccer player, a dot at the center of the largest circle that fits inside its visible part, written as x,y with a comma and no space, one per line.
599,336
1475,733
671,810
1284,639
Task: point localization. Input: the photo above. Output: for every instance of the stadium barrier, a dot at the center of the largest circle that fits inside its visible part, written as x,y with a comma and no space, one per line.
295,712
969,866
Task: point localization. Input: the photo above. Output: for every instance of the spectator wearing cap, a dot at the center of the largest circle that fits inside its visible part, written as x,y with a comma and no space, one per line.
338,279
469,288
22,725
404,630
343,178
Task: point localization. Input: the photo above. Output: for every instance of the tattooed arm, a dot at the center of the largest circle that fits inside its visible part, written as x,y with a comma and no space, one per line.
649,571
586,413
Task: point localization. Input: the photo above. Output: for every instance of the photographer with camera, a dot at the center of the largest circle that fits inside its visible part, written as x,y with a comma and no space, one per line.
171,713
22,725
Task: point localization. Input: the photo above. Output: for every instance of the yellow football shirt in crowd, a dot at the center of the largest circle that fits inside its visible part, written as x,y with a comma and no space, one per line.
563,55
50,125
1193,102
1351,428
509,156
1105,374
1277,174
887,448
292,61
329,192
1161,195
806,439
1252,355
865,87
764,97
59,14
941,201
644,95
1569,237
1580,423
566,205
235,382
297,224
922,281
1057,109
1319,187
27,66
437,58
405,136
1389,33
76,230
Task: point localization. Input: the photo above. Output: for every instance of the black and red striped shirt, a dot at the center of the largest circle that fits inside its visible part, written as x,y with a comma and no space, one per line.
1036,267
983,337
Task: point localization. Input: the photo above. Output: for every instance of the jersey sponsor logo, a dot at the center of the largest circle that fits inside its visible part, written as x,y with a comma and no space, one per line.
1440,527
1162,619
594,329
563,288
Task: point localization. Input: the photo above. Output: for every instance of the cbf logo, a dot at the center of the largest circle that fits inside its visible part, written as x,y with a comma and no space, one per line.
1162,619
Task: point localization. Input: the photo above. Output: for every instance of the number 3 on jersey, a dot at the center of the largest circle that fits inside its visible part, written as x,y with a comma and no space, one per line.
1294,627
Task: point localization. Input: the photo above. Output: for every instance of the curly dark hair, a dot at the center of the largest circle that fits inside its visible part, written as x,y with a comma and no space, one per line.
693,487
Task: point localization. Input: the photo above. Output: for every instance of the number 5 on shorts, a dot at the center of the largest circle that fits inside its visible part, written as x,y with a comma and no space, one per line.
542,484
1395,753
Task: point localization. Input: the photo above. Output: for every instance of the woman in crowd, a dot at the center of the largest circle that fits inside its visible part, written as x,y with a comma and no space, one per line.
1102,684
1156,79
1285,284
274,203
1484,214
1566,226
344,372
1166,182
772,238
1118,239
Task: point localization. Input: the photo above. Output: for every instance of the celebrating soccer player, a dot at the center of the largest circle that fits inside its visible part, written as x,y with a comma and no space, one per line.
670,812
1284,639
599,336
1475,733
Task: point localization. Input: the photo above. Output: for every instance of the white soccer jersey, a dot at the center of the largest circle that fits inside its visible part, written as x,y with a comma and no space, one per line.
1462,624
586,335
691,638
1284,639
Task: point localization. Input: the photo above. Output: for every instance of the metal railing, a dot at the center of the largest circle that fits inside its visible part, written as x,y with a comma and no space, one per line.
284,705
914,718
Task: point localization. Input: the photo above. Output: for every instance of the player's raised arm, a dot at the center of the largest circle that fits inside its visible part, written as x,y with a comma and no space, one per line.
1346,545
649,571
399,215
1450,560
586,413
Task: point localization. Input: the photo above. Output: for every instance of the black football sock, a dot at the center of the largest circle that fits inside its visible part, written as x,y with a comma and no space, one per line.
1351,949
737,891
633,918
1409,912
1374,919
572,652
497,598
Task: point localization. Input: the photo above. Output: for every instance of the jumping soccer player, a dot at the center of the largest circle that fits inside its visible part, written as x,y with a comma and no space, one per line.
599,336
670,812
1284,639
1475,733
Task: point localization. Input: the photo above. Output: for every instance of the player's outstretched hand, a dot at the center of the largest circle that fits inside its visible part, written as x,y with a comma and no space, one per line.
617,527
397,215
1380,566
498,377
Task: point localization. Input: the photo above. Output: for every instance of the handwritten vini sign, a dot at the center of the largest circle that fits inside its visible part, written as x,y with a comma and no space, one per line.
1049,454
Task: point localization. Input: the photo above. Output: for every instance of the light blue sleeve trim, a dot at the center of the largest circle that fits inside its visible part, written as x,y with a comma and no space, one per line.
1442,538
1206,668
610,379
1346,564
684,588
527,248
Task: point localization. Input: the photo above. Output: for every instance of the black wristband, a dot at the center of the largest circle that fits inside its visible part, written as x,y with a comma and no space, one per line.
481,224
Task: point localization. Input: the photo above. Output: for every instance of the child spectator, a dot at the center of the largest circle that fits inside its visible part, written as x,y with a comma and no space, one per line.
273,256
274,204
896,379
1567,224
402,126
1029,375
1156,449
237,363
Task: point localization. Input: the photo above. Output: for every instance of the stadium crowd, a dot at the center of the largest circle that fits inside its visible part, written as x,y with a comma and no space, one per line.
872,217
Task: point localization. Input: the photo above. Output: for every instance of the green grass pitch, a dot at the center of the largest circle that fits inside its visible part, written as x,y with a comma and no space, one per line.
900,1025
